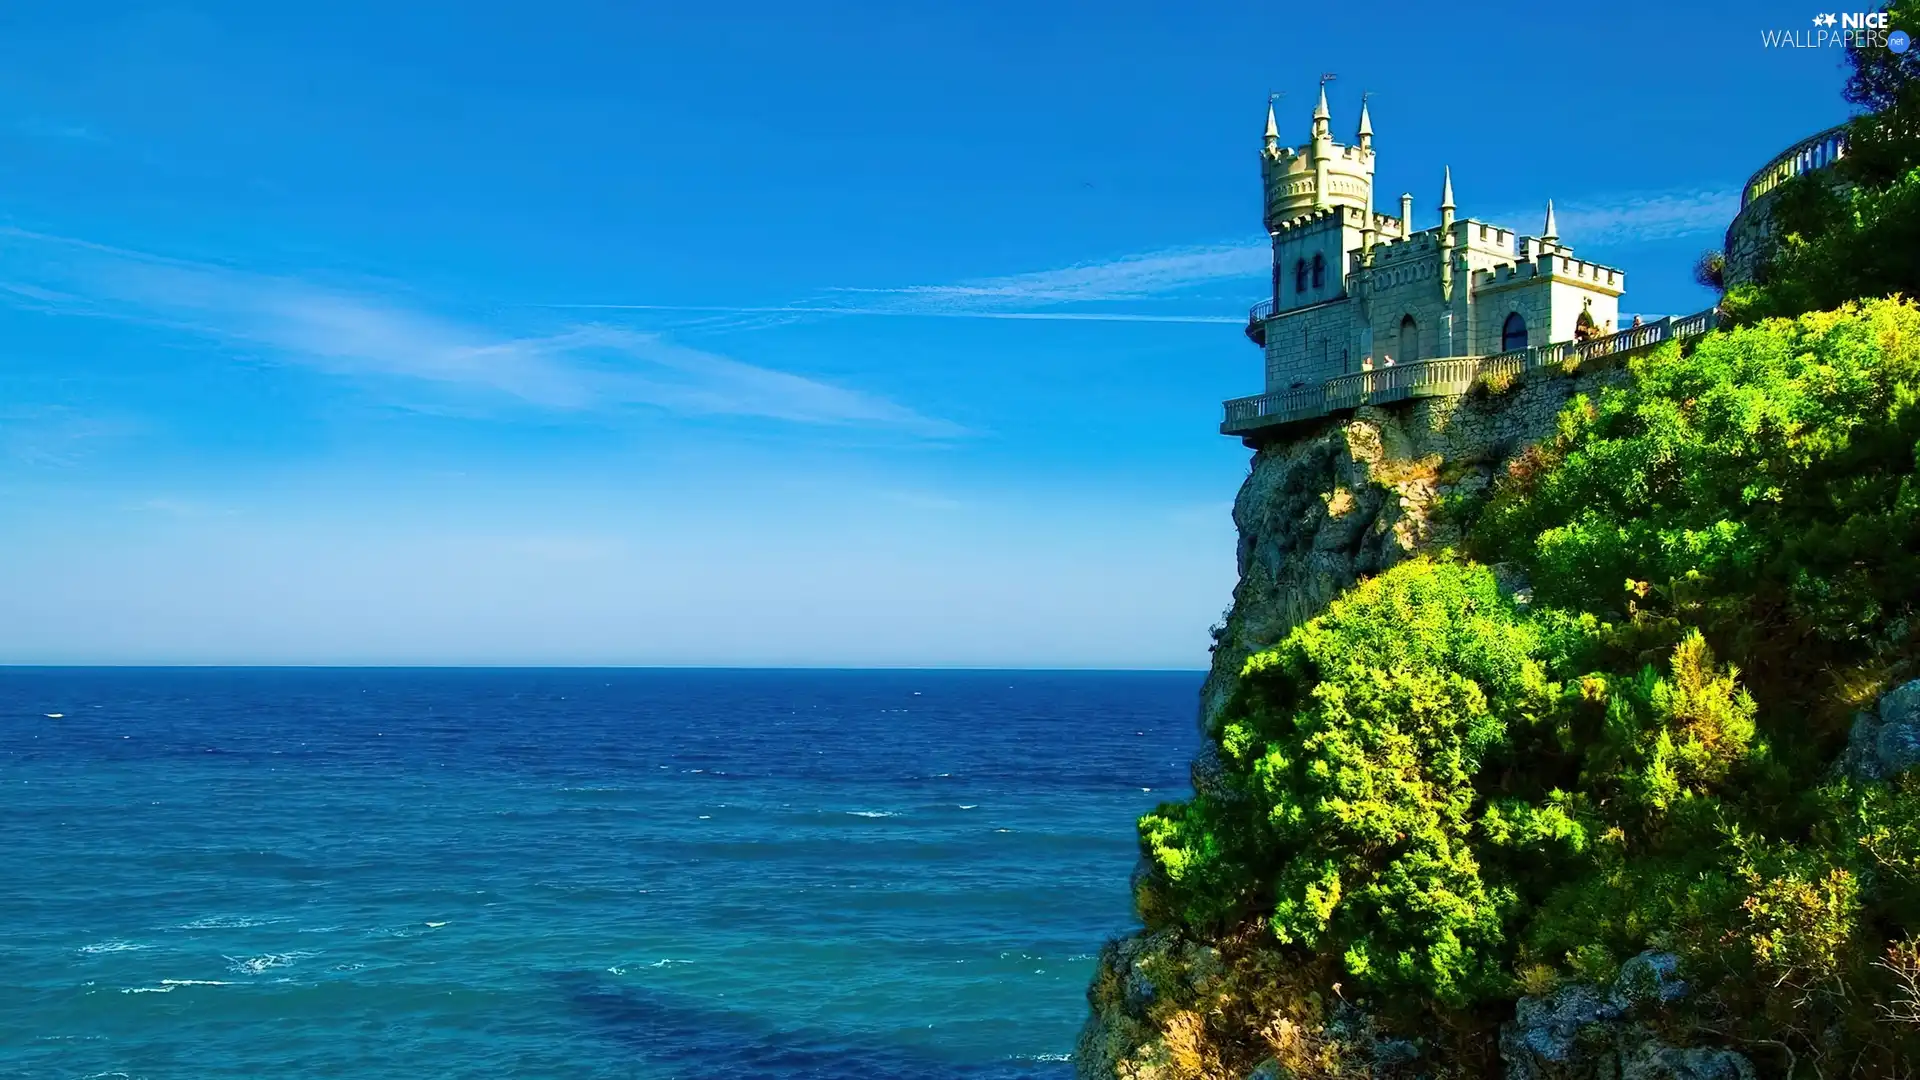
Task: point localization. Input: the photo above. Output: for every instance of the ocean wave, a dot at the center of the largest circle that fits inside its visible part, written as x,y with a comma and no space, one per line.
227,922
112,947
668,963
254,965
871,813
148,990
194,982
1041,1057
970,806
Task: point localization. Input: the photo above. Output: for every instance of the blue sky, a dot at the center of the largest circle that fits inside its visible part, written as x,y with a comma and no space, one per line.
843,334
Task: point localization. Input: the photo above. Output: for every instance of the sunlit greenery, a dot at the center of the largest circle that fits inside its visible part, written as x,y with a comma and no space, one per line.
1440,797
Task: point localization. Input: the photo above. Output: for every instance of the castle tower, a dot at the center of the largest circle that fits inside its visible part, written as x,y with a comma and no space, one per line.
1318,210
1319,174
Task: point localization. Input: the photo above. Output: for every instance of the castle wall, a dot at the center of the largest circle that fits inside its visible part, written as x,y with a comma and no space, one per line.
1309,345
1330,237
1408,283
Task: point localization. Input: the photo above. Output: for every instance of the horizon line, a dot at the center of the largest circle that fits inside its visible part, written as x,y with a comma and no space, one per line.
9,667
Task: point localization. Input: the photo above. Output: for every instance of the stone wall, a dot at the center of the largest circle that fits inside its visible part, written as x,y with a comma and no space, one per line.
1308,347
1746,239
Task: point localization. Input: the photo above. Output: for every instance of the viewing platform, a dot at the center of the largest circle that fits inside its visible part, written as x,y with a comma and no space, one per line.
1257,322
1250,416
1747,234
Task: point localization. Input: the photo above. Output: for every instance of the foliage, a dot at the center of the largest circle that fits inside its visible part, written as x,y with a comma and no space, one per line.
1852,231
1439,800
1834,244
1885,140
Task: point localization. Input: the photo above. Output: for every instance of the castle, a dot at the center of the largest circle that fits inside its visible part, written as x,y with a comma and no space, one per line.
1358,290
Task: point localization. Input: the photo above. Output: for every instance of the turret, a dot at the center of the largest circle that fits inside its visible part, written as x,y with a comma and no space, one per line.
1550,234
1366,126
1446,237
1272,142
1322,118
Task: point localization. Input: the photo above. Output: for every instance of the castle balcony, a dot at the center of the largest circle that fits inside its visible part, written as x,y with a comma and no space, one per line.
1748,234
1257,322
1252,418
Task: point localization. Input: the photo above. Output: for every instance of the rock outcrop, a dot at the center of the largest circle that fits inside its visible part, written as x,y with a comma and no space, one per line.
1322,507
1885,743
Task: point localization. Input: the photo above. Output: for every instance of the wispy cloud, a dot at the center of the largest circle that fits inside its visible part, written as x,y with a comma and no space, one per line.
578,367
802,309
1135,277
1073,293
56,436
1634,218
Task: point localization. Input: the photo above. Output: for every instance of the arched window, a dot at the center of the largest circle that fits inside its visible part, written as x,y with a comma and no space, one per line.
1583,327
1513,336
1300,275
1319,271
1409,340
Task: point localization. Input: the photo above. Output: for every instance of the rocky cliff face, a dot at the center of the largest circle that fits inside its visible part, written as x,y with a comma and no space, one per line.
1328,505
1321,508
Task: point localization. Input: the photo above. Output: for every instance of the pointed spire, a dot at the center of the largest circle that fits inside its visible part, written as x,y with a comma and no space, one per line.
1366,123
1320,111
1446,192
1552,232
1273,127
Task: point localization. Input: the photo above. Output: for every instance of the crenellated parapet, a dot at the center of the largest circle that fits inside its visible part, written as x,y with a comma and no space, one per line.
1356,290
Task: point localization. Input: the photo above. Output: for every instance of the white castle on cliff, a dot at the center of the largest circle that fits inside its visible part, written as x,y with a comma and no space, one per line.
1355,290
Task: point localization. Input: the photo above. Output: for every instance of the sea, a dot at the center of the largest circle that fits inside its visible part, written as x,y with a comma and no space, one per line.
634,873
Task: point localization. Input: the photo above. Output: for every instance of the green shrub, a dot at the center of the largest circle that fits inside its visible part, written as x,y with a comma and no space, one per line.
1440,800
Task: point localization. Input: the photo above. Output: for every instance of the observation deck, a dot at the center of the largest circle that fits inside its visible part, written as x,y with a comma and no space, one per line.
1250,417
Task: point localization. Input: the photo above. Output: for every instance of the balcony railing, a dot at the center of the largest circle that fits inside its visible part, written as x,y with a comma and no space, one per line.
1438,378
1813,152
1257,321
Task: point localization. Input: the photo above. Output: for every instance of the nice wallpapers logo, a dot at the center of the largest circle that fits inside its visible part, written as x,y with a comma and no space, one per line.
1846,30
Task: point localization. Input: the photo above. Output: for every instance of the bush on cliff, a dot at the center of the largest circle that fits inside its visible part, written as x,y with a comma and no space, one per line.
1434,799
1851,231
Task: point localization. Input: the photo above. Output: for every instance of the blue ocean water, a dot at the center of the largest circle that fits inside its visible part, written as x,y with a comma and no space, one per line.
359,873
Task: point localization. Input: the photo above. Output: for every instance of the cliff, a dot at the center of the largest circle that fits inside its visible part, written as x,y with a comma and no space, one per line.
1466,808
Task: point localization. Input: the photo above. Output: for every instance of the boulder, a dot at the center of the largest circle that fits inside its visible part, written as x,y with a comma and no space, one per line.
1885,742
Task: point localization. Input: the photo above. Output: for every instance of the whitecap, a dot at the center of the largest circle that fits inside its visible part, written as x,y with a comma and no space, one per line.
148,990
669,963
112,947
435,925
194,982
872,813
225,922
616,971
970,806
55,715
254,965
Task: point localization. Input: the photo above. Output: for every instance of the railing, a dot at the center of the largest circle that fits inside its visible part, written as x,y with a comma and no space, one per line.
1447,376
1810,153
1261,311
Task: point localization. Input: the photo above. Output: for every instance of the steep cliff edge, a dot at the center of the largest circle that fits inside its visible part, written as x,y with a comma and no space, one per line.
1558,731
1327,505
1349,498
